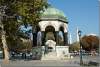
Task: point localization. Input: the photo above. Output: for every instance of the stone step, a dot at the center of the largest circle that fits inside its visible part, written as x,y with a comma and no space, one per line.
53,56
50,56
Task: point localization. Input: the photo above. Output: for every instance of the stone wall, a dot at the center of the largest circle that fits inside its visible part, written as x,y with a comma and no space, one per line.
62,50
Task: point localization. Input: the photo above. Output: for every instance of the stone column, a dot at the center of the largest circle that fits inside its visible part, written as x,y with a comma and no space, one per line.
39,38
43,42
34,39
57,39
43,38
65,39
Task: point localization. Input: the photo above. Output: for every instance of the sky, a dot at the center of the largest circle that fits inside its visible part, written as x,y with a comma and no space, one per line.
83,14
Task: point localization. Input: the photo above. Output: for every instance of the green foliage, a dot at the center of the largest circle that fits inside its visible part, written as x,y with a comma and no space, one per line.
90,42
74,47
29,10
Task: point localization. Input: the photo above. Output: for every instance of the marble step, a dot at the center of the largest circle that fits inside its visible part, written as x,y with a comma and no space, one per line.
50,56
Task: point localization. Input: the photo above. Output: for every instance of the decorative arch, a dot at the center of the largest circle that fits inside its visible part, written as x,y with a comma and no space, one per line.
50,31
54,27
50,28
63,28
44,24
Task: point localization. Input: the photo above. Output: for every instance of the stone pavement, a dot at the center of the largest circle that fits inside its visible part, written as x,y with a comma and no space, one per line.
39,63
51,63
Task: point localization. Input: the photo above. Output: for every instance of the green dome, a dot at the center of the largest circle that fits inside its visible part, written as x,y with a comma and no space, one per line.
53,13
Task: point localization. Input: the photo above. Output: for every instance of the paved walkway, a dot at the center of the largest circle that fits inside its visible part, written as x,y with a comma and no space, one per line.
52,63
40,63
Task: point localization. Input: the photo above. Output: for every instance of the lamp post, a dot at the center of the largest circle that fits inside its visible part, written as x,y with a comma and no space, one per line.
79,34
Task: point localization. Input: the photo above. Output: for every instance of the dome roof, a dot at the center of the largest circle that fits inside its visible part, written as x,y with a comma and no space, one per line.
53,13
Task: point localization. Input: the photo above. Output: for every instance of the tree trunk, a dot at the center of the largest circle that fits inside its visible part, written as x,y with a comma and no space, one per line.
5,47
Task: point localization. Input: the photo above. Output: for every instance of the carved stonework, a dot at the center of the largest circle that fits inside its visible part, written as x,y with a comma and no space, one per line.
55,24
51,43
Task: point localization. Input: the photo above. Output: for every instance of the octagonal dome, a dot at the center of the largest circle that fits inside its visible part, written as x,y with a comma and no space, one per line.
53,13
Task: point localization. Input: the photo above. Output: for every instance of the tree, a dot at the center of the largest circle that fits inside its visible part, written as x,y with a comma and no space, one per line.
30,11
3,36
90,42
10,13
8,25
74,47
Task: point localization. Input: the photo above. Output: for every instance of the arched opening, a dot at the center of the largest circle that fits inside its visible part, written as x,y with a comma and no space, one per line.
49,33
61,36
50,39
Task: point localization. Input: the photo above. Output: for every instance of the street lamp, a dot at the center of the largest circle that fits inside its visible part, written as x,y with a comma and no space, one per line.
79,34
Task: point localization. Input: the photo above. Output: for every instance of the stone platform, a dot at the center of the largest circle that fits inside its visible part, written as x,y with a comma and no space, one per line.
60,53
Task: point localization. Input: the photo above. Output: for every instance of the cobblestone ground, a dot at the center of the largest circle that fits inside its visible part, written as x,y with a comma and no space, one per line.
52,63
